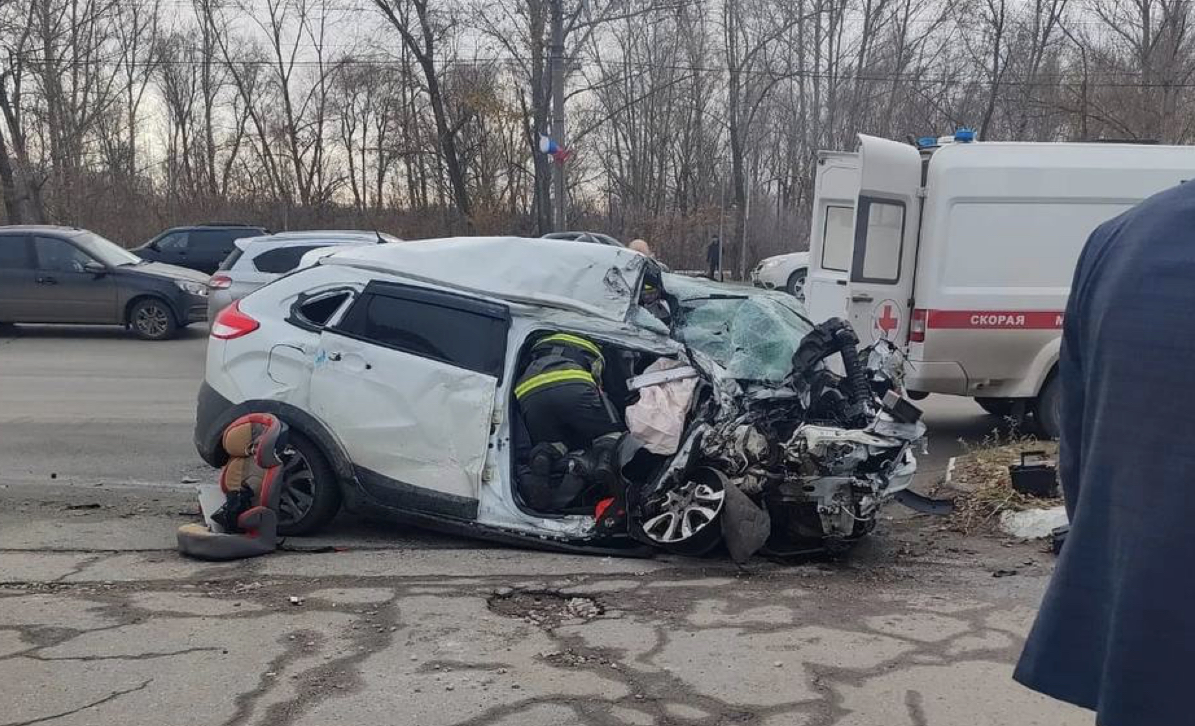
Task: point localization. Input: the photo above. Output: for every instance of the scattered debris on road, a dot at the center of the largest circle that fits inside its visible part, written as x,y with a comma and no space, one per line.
546,608
981,483
1033,523
1035,476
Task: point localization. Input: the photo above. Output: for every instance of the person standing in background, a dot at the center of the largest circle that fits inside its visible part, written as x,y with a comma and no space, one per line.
640,246
713,256
1114,631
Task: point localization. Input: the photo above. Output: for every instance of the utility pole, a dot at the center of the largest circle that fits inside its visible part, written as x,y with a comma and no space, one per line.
557,58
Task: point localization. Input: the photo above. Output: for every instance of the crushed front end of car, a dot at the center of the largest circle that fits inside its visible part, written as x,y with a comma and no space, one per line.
794,438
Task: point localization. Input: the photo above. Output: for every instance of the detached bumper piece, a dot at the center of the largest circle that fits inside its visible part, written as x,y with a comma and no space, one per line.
247,524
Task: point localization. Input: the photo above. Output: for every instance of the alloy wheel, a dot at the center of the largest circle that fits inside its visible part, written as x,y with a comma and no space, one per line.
796,287
685,512
152,321
298,487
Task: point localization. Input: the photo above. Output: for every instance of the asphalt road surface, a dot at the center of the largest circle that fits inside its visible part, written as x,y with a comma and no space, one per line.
101,621
88,406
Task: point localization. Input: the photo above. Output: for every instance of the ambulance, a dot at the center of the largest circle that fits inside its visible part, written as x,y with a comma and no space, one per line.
962,253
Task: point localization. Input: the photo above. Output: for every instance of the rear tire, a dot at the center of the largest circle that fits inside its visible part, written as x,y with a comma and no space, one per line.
996,406
152,319
796,285
1048,409
310,492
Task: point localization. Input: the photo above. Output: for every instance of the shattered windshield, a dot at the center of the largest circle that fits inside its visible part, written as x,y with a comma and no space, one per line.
752,334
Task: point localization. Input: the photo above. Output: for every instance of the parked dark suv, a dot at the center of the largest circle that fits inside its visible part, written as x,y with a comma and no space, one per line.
200,247
69,275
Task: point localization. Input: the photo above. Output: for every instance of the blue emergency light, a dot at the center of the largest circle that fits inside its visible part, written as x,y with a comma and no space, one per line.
964,135
927,142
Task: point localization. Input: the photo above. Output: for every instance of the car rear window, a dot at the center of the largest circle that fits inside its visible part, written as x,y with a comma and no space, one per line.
205,241
438,326
315,312
239,232
282,259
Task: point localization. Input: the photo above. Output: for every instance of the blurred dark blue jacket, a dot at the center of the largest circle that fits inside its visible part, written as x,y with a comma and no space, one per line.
1116,631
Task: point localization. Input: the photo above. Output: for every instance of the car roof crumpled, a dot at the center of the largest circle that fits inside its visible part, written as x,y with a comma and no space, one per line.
595,279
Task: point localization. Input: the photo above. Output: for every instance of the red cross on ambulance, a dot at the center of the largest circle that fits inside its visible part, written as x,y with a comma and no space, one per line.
886,319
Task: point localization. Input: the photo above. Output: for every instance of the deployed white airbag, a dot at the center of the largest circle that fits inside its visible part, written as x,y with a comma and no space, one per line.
657,419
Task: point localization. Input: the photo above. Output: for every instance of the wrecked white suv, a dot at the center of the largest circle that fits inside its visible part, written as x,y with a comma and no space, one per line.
395,368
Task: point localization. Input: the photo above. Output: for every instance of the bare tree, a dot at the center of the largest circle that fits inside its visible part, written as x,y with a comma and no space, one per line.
420,36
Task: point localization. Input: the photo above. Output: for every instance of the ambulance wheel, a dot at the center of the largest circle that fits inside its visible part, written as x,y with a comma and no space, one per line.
1048,409
996,406
310,495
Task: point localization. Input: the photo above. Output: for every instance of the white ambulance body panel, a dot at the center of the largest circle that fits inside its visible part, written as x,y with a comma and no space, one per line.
830,238
1000,228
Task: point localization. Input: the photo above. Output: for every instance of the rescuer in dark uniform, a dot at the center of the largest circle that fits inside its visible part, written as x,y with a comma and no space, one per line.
562,401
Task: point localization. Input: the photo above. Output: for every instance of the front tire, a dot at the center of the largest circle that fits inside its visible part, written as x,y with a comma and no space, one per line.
152,319
689,520
310,495
796,285
1048,409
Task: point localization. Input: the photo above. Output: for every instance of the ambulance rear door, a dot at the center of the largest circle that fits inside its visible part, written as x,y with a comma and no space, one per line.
887,217
830,243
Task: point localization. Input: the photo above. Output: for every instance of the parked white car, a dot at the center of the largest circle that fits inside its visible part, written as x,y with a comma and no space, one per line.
258,261
783,272
395,368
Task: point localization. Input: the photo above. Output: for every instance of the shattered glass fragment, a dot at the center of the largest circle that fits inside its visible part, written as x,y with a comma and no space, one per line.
752,335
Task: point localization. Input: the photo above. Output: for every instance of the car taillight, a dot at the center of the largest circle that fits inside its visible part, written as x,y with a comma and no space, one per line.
232,323
220,282
917,326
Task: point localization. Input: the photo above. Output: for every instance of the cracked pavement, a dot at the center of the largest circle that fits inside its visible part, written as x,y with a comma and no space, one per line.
101,622
911,629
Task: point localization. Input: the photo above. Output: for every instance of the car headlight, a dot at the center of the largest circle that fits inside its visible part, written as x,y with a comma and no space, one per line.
195,288
768,264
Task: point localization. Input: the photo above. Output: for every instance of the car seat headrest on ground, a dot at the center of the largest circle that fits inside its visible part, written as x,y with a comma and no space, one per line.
252,484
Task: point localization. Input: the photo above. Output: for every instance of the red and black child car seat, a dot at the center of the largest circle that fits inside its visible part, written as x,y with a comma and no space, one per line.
252,484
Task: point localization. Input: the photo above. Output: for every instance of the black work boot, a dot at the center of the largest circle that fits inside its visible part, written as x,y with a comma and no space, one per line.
540,479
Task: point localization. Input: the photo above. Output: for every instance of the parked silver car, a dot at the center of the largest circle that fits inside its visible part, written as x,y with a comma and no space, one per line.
258,261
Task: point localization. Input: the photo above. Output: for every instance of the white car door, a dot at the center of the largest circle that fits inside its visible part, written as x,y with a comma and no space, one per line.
407,380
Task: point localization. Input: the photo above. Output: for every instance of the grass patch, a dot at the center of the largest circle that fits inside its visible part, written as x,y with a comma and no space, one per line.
982,485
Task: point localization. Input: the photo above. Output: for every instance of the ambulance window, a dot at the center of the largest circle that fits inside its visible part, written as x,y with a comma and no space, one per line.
836,238
879,233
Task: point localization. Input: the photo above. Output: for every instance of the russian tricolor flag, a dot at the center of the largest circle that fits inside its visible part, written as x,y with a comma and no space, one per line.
548,145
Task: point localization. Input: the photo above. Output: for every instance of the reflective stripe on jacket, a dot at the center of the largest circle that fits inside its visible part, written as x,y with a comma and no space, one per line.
573,340
551,378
